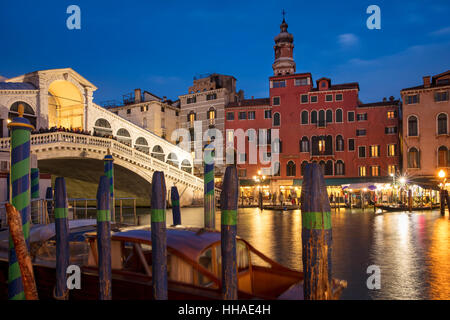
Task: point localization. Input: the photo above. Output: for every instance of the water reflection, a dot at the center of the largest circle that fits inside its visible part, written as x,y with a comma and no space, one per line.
411,249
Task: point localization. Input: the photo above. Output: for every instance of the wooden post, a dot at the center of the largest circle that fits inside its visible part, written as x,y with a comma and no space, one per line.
410,200
134,211
209,207
62,239
175,198
316,235
49,200
159,240
23,258
20,195
229,206
442,202
104,239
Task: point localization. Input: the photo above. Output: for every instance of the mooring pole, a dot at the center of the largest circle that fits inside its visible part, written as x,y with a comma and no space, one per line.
62,239
442,202
229,205
159,237
109,172
20,195
316,235
209,206
175,198
48,199
104,238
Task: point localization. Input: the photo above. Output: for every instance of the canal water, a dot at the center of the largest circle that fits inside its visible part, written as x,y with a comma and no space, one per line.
412,250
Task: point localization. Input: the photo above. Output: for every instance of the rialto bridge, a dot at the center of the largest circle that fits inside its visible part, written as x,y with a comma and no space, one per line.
63,98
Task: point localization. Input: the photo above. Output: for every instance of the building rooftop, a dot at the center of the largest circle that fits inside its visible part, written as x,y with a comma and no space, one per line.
16,86
250,102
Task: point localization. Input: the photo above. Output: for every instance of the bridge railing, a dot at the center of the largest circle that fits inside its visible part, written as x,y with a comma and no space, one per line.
129,153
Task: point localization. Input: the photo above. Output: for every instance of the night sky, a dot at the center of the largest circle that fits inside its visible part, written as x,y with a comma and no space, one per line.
160,45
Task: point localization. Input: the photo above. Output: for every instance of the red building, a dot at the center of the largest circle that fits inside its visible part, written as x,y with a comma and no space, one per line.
325,123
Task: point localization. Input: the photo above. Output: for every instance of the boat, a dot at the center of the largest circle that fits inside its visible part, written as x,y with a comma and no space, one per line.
193,264
398,208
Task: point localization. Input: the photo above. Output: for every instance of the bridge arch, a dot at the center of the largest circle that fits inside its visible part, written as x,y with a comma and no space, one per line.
172,159
102,127
65,105
28,112
158,153
123,135
141,144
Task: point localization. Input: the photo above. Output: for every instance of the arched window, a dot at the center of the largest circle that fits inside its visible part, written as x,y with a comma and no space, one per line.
443,157
158,153
442,124
102,127
124,136
329,168
339,143
314,117
321,118
339,169
290,169
141,144
304,144
339,116
329,116
305,117
276,119
413,130
413,158
186,166
302,168
322,166
28,112
172,159
276,169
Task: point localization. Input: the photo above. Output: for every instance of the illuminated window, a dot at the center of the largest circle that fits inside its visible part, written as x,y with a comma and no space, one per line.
375,171
374,151
392,150
391,169
362,171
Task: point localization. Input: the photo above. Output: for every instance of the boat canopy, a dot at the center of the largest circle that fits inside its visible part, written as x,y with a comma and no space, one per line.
191,242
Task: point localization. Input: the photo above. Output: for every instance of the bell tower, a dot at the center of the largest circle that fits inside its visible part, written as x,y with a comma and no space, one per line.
284,51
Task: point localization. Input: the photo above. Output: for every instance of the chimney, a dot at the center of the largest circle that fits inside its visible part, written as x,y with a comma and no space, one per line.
137,95
384,99
426,81
391,98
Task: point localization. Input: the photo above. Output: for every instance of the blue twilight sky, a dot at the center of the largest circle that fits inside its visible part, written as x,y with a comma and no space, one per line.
160,45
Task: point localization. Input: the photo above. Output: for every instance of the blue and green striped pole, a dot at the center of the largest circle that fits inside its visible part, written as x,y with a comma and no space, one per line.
159,237
109,172
229,205
34,183
20,195
62,238
316,235
104,238
175,198
209,200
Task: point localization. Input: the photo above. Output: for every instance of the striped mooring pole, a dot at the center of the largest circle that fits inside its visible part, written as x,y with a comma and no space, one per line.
34,183
316,235
159,237
104,238
175,198
20,195
209,206
62,239
109,172
229,205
